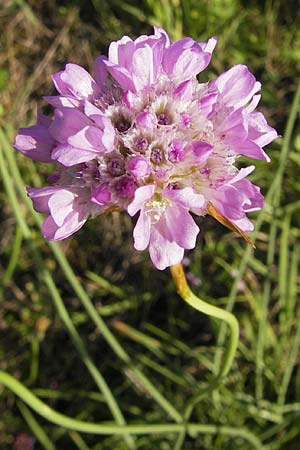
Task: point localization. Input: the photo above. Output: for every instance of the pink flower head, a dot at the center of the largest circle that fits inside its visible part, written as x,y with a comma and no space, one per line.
145,136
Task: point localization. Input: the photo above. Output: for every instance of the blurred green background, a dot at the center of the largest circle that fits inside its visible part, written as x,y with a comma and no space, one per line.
178,350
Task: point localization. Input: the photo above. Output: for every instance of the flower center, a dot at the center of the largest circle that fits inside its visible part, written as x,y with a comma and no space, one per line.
163,119
122,126
156,207
156,155
116,167
141,144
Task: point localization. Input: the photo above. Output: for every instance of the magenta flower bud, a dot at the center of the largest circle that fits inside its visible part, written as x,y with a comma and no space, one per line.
54,178
125,187
138,167
185,120
206,171
176,152
101,195
146,120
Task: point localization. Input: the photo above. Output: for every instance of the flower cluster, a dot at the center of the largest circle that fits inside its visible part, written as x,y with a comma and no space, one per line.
145,136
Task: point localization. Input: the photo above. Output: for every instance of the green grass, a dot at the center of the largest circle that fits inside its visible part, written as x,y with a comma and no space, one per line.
89,326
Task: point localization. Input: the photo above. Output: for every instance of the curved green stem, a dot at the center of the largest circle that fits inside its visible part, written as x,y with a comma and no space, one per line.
105,428
213,311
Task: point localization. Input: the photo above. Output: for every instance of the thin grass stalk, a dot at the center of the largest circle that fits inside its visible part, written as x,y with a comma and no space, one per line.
292,357
262,326
34,365
14,258
284,268
78,441
36,428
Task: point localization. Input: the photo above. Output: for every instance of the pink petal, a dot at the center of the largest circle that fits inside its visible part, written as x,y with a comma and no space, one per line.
75,81
142,67
185,90
163,253
146,120
59,101
35,142
141,232
120,52
182,226
73,222
201,150
68,155
237,86
141,195
186,58
242,173
259,130
185,198
251,149
100,71
121,75
67,121
101,195
89,138
60,205
244,224
210,45
163,35
40,197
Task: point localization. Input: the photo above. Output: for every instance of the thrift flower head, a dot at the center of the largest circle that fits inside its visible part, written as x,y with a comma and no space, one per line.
146,137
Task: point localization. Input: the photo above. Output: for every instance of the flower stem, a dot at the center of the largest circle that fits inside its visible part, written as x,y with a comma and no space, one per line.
193,429
213,311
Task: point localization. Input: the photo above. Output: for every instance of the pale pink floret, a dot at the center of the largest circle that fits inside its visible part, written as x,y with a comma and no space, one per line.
236,197
66,213
146,137
235,124
35,142
76,82
186,58
164,223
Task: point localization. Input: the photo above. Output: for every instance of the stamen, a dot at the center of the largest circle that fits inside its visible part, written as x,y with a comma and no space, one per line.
155,209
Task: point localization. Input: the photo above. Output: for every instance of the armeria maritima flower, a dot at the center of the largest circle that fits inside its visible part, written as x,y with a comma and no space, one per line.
145,136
